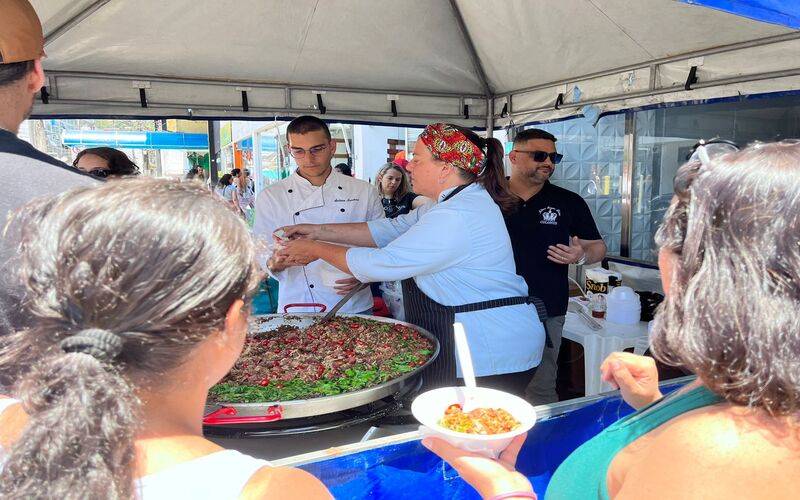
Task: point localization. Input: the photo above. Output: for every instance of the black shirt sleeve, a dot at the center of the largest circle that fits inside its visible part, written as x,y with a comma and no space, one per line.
582,223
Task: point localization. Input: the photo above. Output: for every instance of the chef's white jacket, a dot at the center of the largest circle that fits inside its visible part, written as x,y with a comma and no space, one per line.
294,200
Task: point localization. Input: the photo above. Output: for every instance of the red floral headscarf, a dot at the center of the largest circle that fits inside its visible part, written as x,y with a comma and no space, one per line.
448,144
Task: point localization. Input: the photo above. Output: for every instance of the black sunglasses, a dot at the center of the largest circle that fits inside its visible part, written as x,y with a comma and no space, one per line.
540,156
100,173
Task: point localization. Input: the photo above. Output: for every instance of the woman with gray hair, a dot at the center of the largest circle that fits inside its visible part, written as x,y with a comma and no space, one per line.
135,312
730,265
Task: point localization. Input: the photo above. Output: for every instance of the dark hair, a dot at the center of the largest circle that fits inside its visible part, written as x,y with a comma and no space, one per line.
226,180
731,313
235,172
13,72
195,171
493,177
344,168
118,162
305,124
111,262
533,133
405,184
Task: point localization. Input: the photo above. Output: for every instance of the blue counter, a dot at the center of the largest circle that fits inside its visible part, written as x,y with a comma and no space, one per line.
408,470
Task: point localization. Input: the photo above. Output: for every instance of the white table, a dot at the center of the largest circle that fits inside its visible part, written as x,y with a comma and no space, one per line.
598,344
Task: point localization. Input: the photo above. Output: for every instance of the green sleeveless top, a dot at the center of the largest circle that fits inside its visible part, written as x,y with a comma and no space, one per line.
583,474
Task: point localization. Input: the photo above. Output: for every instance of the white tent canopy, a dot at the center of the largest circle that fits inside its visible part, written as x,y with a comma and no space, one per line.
491,60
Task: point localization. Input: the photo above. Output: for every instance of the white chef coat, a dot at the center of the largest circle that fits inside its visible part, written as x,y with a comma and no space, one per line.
294,200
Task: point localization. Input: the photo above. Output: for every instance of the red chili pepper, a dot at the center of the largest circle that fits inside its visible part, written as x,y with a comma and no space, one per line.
354,325
264,382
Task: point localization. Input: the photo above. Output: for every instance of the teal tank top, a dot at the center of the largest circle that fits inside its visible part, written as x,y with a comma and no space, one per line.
583,474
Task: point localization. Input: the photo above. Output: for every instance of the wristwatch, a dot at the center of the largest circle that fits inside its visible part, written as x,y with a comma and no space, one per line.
582,260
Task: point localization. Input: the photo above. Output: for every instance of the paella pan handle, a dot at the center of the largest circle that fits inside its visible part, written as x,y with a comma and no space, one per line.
228,415
322,307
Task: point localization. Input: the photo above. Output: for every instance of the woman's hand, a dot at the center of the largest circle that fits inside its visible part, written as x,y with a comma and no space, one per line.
635,376
302,231
298,252
489,477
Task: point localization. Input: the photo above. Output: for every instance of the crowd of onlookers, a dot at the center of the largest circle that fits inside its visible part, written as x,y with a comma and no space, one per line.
117,316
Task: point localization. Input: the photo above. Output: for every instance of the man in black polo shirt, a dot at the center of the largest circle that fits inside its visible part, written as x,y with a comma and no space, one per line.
29,172
552,229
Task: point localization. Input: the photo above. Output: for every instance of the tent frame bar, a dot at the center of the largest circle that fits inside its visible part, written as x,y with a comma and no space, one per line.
288,87
653,64
473,53
74,21
666,90
236,110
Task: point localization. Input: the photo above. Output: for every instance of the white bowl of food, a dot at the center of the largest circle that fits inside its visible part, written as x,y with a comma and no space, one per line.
497,418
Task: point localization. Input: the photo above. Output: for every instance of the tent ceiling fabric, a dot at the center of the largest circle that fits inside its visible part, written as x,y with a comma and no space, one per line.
201,54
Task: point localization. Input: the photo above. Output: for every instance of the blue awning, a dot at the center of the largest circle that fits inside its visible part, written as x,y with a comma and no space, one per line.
135,140
783,12
268,143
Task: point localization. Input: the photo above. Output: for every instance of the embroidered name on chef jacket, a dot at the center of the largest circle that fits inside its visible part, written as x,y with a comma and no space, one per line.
549,216
339,200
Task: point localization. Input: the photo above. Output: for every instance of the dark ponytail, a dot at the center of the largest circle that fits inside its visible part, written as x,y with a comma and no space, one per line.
118,292
493,177
78,442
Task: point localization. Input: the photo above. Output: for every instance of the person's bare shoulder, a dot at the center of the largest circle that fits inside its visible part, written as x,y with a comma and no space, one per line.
284,483
718,452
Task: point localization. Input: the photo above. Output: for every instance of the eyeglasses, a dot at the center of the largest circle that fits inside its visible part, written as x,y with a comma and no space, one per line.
300,152
705,151
540,156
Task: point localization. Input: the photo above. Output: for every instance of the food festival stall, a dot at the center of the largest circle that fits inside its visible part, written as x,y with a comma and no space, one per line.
485,64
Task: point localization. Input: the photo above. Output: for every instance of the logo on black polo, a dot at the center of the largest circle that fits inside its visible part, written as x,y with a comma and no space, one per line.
549,216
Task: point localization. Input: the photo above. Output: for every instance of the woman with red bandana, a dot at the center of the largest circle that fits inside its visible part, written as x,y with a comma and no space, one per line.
454,257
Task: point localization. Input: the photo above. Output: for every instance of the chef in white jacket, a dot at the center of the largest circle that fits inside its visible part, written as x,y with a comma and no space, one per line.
316,194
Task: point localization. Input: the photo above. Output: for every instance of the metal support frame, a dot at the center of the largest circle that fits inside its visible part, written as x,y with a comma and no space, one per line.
667,90
658,62
478,66
257,163
253,110
470,46
653,67
490,117
626,184
256,84
213,151
73,21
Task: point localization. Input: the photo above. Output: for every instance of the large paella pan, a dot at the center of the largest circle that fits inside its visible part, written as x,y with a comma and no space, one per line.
294,368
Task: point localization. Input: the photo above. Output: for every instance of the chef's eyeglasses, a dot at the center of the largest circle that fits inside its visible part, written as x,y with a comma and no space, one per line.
300,152
540,156
706,151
